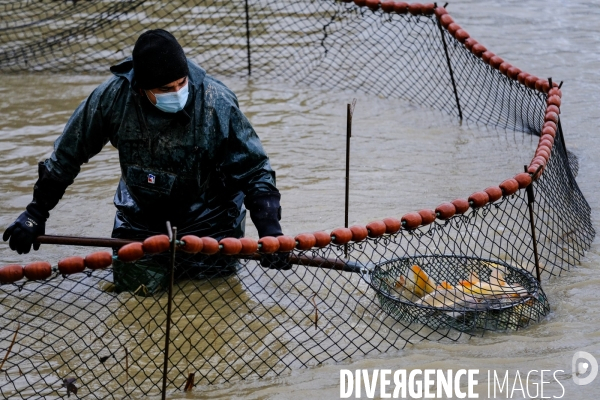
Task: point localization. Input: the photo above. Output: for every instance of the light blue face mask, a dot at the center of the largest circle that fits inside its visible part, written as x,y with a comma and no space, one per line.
172,102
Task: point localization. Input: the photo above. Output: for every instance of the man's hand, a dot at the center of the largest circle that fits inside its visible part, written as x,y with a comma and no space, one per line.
28,226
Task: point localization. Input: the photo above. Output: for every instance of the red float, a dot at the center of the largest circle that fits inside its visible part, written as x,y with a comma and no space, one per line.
411,220
524,179
286,243
209,245
71,265
494,193
305,241
268,244
192,244
39,270
461,205
509,186
156,244
341,235
11,273
98,260
445,211
131,252
427,216
359,233
249,245
392,225
479,199
376,228
322,238
230,246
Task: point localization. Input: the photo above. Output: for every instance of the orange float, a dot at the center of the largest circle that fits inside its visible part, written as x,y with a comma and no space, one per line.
479,199
427,216
230,246
11,273
36,271
392,225
156,244
524,179
376,228
191,244
322,238
249,245
494,193
461,205
341,235
359,233
98,260
131,252
268,244
445,211
305,241
509,186
210,245
411,220
71,265
286,243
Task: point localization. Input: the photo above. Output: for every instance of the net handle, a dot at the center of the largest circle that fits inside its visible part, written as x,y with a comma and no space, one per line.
297,259
314,261
83,241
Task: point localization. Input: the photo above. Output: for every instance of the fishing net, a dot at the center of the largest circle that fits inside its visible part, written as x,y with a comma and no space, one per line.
469,266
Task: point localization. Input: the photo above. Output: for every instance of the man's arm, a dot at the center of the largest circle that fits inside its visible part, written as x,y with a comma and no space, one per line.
247,165
82,138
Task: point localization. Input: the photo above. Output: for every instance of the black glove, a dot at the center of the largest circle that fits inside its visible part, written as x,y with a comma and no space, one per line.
278,261
265,213
48,190
28,226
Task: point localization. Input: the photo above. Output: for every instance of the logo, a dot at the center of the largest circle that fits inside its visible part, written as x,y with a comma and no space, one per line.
151,178
30,223
581,368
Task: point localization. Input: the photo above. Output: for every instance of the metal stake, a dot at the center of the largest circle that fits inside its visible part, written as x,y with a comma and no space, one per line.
530,201
350,111
173,237
248,37
450,68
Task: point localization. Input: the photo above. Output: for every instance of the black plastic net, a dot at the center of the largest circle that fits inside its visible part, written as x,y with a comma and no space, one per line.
467,267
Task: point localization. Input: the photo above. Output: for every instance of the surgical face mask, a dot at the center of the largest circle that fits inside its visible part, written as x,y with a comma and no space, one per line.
173,101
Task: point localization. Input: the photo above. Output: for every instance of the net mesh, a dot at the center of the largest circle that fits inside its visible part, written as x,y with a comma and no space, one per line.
464,273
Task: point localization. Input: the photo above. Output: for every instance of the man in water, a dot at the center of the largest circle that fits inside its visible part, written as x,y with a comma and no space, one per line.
188,155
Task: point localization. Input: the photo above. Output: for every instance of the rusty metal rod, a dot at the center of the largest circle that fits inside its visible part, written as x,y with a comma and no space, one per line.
349,113
248,38
173,234
460,116
530,201
314,261
304,260
83,241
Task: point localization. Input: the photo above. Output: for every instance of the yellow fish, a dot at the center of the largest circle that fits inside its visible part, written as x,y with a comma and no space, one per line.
416,281
450,298
497,287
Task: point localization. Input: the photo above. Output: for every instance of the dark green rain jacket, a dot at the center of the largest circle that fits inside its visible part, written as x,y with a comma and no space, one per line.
192,168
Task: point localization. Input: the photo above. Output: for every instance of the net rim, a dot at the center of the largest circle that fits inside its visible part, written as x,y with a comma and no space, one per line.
534,294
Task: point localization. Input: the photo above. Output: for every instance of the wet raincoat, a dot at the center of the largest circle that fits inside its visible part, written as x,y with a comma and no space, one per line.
192,168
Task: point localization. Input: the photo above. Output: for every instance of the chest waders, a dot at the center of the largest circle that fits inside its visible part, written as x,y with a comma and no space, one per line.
162,175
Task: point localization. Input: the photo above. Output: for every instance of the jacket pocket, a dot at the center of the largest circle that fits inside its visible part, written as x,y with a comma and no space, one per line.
151,182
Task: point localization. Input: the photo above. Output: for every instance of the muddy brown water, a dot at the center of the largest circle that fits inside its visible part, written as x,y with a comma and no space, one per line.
404,158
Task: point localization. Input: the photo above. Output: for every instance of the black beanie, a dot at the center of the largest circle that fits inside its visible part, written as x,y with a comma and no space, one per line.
158,59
